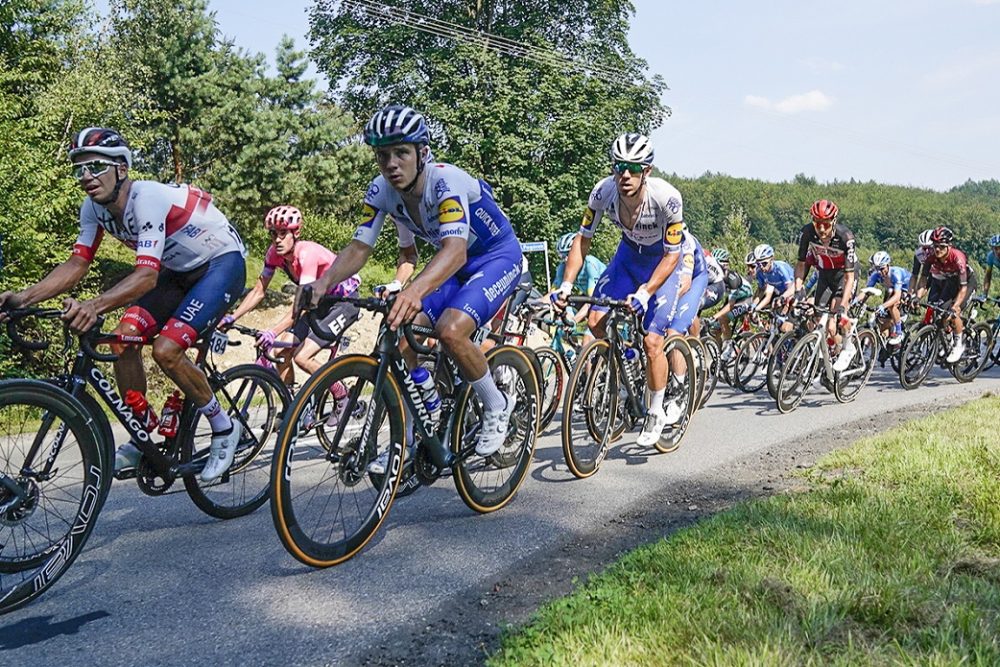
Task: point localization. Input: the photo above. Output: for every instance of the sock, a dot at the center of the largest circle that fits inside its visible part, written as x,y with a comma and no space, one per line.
338,390
488,392
656,400
217,419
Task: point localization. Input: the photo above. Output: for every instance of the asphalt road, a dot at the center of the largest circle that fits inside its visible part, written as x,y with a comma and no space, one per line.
160,583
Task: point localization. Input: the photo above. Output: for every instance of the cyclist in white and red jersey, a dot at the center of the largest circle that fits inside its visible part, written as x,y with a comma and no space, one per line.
951,280
925,248
831,248
303,262
189,268
475,267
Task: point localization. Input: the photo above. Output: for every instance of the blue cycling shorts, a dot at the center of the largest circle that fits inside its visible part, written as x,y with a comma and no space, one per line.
479,288
185,305
674,311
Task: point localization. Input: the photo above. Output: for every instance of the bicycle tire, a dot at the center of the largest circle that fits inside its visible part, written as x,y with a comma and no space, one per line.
591,373
846,387
918,357
246,485
487,484
296,518
701,364
782,347
714,355
552,382
747,357
978,336
672,435
24,577
798,373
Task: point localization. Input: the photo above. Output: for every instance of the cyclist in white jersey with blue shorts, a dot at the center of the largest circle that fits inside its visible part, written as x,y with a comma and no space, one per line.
476,267
657,260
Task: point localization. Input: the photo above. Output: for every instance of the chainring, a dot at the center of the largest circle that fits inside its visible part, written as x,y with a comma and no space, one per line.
150,481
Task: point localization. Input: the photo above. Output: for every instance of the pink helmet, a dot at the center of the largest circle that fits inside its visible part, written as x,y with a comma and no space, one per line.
284,217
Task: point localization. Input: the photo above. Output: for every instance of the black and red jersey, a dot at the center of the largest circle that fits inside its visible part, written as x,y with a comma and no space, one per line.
832,256
953,265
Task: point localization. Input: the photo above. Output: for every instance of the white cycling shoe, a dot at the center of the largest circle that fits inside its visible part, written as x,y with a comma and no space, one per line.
494,432
956,352
221,453
844,358
652,429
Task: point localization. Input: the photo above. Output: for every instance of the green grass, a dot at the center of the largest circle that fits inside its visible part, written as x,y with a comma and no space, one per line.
888,557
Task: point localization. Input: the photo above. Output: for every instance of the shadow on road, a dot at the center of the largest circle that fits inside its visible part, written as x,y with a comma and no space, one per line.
41,628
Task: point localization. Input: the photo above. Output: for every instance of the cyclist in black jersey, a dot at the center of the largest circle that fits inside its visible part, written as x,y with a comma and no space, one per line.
829,247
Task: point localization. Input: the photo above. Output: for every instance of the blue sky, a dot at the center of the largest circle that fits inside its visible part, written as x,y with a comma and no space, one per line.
896,91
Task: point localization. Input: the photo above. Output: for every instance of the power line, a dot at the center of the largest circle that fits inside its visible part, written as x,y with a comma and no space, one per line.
377,11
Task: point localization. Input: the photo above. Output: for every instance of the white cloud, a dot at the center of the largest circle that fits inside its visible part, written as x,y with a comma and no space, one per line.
814,100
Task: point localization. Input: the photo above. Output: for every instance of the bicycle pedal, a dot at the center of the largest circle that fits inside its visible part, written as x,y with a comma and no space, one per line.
126,473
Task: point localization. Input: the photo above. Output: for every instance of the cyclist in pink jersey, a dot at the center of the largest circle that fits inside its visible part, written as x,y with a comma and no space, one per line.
303,262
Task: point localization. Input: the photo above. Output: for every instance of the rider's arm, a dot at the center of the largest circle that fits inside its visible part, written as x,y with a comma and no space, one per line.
450,258
662,271
128,290
987,279
406,263
580,249
766,299
60,279
253,297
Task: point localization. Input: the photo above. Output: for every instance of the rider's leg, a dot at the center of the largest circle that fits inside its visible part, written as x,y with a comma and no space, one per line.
129,371
284,356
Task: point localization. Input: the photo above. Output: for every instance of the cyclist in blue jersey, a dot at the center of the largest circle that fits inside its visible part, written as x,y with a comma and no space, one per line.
657,260
774,277
475,268
896,280
991,261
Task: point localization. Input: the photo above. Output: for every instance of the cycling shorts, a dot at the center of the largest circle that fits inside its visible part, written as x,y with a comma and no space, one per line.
479,288
335,322
829,286
673,310
185,305
712,296
627,270
945,291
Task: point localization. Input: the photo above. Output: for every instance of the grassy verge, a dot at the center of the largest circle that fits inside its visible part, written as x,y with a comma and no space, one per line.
889,557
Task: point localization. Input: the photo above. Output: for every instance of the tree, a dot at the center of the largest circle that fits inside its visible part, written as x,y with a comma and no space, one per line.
537,131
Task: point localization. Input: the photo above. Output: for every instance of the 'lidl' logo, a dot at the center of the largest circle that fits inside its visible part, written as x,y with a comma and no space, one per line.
450,210
674,233
588,218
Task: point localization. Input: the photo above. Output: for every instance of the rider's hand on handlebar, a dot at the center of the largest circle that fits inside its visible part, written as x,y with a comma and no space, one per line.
265,339
225,323
406,306
8,301
80,316
559,297
384,291
800,295
639,301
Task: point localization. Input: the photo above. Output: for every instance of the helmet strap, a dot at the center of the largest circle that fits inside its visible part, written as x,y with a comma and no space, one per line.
119,182
421,161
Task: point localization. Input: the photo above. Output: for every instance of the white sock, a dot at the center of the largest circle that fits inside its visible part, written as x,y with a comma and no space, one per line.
488,392
217,419
656,400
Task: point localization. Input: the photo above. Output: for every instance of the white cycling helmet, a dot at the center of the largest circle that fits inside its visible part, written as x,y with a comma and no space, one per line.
925,237
763,252
565,243
880,259
632,147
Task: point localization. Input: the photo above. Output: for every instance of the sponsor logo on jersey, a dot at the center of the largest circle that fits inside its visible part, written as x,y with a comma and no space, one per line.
450,210
373,190
688,261
368,214
441,187
588,218
674,204
499,288
674,233
488,221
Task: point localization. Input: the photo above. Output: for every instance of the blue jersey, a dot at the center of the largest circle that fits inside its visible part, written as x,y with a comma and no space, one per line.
991,261
781,276
454,204
898,279
587,279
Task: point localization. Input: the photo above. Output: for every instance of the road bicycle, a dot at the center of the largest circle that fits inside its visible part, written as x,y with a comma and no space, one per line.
932,343
326,503
812,359
604,397
57,452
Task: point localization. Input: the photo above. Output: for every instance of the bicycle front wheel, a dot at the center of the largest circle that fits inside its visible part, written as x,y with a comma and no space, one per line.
551,381
852,380
782,348
256,399
678,354
325,504
486,484
589,409
799,371
918,357
51,487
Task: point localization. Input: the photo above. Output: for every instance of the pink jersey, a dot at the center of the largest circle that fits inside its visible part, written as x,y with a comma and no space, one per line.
309,261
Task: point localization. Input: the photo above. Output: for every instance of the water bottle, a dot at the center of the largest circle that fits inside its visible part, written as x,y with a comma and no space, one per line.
630,353
136,400
171,415
428,391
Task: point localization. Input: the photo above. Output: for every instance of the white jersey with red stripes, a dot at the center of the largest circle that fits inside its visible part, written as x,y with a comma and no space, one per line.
175,227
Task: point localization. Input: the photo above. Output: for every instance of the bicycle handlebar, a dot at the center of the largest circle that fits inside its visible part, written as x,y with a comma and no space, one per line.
612,304
16,314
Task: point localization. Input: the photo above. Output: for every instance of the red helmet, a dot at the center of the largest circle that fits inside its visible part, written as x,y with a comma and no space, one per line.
282,218
824,210
942,236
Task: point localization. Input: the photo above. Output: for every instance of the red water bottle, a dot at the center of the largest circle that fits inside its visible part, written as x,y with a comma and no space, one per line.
141,408
171,415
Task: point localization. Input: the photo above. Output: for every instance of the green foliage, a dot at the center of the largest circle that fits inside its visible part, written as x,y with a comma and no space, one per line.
537,132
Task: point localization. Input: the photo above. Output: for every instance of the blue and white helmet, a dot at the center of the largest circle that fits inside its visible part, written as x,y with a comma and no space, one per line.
397,124
880,259
632,147
995,241
763,252
565,243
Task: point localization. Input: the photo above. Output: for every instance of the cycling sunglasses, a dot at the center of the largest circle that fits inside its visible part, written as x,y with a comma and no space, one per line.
95,168
630,167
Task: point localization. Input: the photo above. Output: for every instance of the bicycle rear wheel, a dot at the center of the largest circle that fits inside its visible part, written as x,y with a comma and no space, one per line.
918,357
589,410
488,484
45,519
324,503
750,363
672,435
714,354
256,399
978,340
551,381
854,378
